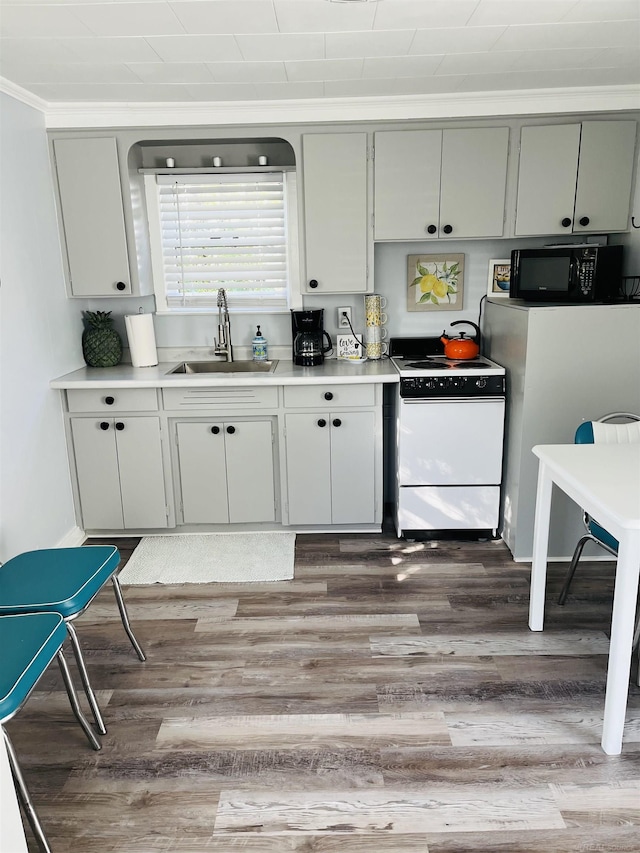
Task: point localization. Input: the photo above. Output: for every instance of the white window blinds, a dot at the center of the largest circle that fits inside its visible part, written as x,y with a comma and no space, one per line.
224,231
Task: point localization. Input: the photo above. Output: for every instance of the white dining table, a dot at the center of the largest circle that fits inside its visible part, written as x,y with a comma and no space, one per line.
604,479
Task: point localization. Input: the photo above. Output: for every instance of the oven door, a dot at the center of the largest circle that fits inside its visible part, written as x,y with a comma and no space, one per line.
450,442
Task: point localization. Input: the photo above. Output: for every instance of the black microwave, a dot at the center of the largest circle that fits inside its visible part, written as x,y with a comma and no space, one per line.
566,274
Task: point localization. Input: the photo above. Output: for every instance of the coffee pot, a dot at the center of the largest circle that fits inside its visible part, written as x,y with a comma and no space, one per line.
310,341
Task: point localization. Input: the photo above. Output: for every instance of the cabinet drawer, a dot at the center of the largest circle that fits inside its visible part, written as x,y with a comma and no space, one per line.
113,400
318,396
220,399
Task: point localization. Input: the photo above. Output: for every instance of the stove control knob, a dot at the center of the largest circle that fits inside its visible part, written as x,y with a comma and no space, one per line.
430,383
481,383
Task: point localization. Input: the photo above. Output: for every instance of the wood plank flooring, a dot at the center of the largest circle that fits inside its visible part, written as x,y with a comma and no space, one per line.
390,698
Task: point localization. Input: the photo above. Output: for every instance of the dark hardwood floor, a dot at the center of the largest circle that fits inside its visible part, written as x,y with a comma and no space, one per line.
389,698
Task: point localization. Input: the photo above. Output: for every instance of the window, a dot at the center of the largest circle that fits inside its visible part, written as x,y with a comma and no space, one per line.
234,230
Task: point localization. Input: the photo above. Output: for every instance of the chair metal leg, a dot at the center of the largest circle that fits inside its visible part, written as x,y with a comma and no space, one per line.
572,568
25,798
75,705
84,676
125,617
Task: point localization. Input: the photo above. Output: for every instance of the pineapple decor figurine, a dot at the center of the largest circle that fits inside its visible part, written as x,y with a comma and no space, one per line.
101,345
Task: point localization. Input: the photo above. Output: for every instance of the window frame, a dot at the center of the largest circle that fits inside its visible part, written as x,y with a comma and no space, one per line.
294,295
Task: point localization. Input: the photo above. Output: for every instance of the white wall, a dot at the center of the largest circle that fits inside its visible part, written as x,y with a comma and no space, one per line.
40,331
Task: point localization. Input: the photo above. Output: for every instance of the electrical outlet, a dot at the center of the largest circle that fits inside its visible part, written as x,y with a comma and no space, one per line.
343,322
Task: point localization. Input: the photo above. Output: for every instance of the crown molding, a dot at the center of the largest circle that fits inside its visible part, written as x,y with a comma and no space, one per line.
401,108
20,94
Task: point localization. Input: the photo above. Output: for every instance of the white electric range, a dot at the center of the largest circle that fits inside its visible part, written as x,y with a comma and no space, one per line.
449,437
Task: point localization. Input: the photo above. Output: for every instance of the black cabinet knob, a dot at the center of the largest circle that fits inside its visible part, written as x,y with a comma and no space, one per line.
119,426
104,425
337,422
322,422
215,430
231,430
120,285
448,229
328,396
431,229
109,401
313,284
566,222
584,221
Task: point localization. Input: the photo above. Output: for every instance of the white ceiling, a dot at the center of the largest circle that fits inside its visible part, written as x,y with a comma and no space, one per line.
151,51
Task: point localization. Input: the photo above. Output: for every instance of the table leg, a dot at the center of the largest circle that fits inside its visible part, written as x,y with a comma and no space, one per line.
622,624
540,549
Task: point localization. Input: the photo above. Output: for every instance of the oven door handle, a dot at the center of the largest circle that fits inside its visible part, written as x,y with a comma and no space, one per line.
421,401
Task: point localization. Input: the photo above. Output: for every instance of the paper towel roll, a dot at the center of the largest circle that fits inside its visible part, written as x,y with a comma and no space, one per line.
142,339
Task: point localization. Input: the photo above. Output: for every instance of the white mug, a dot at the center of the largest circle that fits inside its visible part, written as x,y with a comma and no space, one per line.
373,334
376,349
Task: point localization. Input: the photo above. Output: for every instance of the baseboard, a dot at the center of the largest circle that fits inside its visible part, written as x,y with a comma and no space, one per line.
76,536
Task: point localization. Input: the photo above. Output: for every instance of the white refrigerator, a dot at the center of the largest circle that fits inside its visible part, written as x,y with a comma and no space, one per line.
565,364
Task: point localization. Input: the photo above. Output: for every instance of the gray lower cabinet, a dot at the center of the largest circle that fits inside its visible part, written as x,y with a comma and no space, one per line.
119,472
331,470
226,471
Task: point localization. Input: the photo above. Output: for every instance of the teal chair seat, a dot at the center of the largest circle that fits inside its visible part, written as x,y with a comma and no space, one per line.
29,642
72,579
65,581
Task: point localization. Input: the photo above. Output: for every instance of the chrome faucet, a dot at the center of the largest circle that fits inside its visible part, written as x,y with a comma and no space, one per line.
222,344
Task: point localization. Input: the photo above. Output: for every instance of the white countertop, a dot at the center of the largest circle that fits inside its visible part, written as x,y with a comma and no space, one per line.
338,372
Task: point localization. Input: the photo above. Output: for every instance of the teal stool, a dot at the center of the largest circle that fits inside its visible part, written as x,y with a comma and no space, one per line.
29,643
65,581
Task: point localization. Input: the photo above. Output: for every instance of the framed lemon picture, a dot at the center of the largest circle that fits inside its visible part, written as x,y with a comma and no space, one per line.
435,282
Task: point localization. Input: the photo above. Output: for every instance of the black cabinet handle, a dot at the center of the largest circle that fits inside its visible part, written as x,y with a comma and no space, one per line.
584,221
109,400
322,422
431,229
231,430
448,229
328,396
215,430
119,426
337,422
104,425
313,284
120,285
566,222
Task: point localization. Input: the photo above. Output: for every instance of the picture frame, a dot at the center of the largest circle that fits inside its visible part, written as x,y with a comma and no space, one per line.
435,282
499,275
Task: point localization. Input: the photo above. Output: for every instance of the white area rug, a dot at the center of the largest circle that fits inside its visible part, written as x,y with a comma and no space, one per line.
211,558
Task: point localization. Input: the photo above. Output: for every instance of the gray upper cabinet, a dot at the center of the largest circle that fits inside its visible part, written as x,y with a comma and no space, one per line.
575,178
440,183
92,216
336,219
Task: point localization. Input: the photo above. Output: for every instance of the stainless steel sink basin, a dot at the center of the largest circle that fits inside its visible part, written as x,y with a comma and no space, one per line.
189,367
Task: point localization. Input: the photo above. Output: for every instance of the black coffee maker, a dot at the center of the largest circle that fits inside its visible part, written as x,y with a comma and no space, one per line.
307,328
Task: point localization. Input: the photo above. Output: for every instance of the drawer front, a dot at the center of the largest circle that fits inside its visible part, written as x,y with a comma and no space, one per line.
329,396
220,399
113,400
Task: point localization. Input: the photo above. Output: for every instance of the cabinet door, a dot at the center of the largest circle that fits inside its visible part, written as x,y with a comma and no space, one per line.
407,184
250,478
92,216
603,194
141,470
96,461
353,494
308,449
202,472
335,212
473,182
547,179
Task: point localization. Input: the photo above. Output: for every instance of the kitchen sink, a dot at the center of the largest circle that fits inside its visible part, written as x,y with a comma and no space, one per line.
190,367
